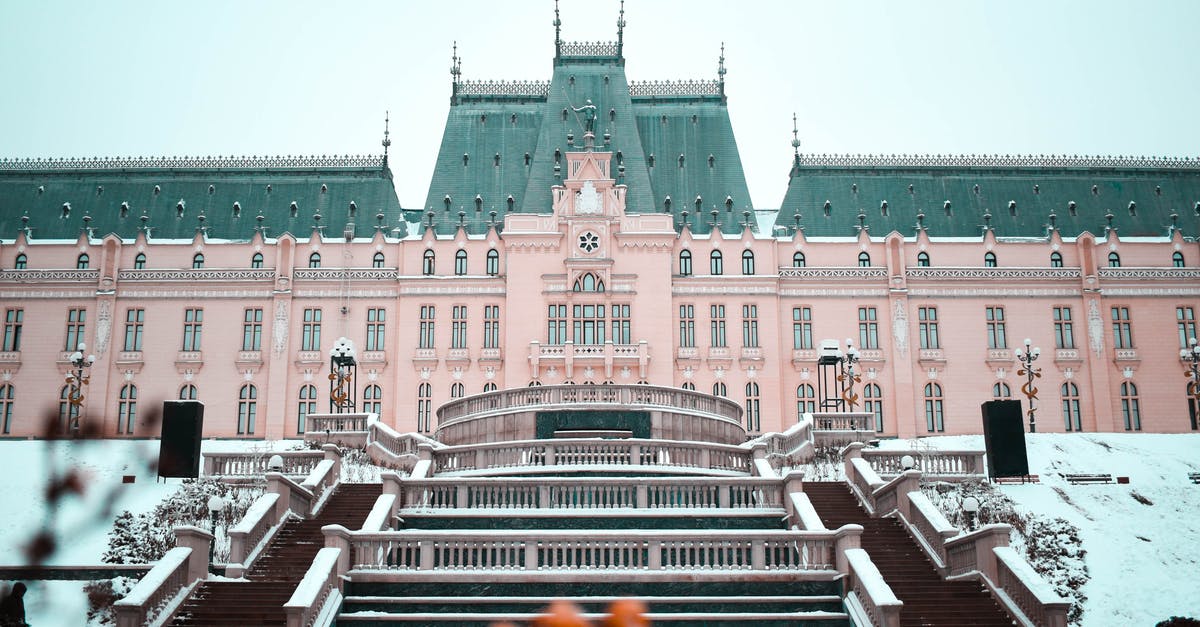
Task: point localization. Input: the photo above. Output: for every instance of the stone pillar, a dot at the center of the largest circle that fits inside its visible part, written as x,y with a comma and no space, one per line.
277,484
852,450
334,454
987,538
200,542
849,537
911,482
338,537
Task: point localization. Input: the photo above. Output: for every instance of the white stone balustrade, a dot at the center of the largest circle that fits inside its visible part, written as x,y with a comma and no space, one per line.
1037,600
936,465
930,524
625,396
870,593
616,550
159,591
793,446
249,532
254,464
337,423
321,585
715,458
592,493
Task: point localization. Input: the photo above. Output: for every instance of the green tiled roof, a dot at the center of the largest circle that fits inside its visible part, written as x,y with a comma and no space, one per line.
513,120
1017,197
57,199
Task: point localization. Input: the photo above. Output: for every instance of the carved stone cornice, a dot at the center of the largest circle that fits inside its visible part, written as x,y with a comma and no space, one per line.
1141,274
46,276
833,272
338,274
988,274
969,292
225,274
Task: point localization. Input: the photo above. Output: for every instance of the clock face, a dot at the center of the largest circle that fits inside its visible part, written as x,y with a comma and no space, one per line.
589,242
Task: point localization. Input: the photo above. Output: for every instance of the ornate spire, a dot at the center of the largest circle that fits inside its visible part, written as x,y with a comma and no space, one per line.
795,142
621,29
721,72
386,140
557,33
455,74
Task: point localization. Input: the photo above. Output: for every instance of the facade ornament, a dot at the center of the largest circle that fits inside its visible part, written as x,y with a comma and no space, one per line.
589,372
489,373
1095,329
688,373
588,201
457,373
426,373
900,327
805,374
103,327
626,372
280,332
932,373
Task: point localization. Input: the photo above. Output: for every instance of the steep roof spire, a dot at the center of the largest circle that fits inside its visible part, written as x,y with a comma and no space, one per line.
557,33
721,72
621,29
386,140
455,74
795,142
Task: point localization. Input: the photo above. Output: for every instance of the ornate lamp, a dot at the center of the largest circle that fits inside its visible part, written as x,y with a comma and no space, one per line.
1030,373
342,365
77,378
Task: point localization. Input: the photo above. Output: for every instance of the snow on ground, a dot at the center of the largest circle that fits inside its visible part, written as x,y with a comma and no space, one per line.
1142,538
81,520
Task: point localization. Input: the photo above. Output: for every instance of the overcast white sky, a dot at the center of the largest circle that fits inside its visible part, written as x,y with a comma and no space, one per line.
299,77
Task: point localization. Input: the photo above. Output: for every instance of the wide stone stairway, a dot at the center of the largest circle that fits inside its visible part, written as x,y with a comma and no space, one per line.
279,569
928,599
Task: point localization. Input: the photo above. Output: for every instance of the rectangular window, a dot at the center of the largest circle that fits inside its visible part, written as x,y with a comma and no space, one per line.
76,325
424,407
928,327
868,328
134,320
802,328
588,324
491,326
426,338
995,327
750,325
687,326
556,325
716,328
310,339
252,329
1122,328
621,325
1064,330
13,319
458,327
193,321
376,326
1186,318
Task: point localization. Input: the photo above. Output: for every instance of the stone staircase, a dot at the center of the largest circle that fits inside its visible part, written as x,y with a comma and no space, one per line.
928,599
275,574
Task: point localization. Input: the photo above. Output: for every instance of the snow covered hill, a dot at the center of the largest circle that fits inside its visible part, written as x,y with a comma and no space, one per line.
1142,538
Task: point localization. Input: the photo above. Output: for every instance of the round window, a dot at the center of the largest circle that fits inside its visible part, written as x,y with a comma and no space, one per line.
589,242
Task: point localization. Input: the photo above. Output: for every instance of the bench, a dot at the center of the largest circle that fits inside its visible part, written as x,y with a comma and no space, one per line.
1194,477
1017,480
1077,479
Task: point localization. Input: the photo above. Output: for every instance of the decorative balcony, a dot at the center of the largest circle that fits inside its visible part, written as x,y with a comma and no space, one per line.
310,357
491,355
999,357
458,356
870,354
1067,356
10,361
931,357
373,357
189,361
1126,355
249,361
127,361
720,355
751,355
425,357
804,357
568,355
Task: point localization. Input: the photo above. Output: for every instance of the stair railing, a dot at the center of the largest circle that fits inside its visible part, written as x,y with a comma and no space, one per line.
161,591
819,554
792,447
254,530
320,587
391,448
868,594
971,554
251,464
589,452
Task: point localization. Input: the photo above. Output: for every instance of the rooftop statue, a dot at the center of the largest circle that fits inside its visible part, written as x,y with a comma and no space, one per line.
589,115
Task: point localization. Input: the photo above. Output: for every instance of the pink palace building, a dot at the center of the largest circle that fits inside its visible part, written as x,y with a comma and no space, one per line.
590,229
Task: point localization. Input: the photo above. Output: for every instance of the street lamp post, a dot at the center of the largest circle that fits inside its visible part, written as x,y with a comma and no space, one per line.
970,506
77,378
1191,357
342,365
1030,373
216,505
849,377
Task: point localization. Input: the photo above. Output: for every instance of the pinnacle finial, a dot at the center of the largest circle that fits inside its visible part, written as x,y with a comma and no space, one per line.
621,28
721,63
455,64
386,132
557,32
